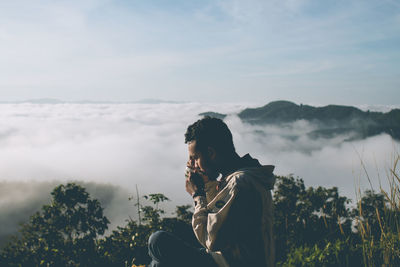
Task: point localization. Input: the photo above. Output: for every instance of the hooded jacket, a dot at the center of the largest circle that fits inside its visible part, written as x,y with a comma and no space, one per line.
236,225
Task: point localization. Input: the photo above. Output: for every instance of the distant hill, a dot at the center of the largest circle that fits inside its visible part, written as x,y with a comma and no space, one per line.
332,120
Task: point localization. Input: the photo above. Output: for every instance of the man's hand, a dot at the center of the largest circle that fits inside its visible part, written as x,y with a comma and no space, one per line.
195,183
190,187
195,179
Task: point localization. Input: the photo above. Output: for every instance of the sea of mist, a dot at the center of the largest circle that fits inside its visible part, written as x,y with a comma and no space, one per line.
111,148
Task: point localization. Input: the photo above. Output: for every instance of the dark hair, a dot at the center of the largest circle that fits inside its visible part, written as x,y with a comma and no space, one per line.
210,132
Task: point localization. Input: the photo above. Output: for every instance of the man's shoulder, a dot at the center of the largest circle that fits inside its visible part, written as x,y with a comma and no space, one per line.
252,176
248,172
239,178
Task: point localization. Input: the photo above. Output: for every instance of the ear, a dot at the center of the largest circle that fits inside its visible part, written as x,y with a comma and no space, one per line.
212,154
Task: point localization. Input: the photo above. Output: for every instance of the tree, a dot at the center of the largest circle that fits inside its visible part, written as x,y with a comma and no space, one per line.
63,233
183,213
128,244
307,216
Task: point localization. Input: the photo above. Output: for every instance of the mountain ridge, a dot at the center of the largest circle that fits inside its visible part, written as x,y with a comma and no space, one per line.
332,120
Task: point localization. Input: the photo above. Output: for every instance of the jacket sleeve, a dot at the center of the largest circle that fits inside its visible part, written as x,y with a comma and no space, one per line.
206,222
210,189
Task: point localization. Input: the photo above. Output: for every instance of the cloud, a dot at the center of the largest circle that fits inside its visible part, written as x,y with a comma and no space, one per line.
124,144
113,147
319,161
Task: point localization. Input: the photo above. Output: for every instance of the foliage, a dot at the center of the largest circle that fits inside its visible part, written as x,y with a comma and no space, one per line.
129,244
332,254
63,234
378,222
313,227
302,216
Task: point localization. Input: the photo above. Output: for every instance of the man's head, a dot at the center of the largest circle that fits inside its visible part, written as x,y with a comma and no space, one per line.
209,141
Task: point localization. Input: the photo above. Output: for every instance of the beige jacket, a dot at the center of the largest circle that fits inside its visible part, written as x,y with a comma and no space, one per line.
236,225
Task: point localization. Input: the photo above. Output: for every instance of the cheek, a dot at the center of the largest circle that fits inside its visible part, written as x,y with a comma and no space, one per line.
205,164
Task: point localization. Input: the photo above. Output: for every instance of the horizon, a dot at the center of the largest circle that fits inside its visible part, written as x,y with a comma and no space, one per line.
384,108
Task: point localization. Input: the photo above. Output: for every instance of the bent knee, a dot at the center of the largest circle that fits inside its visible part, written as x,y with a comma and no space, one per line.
158,239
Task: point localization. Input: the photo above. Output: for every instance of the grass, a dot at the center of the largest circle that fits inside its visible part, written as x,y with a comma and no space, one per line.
380,237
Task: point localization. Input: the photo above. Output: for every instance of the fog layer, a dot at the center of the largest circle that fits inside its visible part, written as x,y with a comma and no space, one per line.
124,145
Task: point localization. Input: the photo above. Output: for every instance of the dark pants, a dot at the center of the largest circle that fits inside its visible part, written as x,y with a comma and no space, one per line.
167,250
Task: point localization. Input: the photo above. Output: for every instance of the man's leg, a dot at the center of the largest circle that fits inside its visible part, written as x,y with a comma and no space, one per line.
166,250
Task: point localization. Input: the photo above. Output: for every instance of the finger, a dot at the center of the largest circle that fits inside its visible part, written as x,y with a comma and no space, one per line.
190,164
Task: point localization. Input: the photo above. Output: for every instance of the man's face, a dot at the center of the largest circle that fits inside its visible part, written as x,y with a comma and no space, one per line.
201,161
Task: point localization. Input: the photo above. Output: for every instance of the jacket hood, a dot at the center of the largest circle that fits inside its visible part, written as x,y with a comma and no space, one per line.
262,173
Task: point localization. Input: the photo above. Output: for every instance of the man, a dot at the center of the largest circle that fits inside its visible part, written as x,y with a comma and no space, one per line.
233,219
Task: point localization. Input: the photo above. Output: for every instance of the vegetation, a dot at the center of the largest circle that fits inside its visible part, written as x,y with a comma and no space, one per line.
313,227
64,233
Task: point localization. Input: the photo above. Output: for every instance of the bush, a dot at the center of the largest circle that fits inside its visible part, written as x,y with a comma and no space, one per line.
332,254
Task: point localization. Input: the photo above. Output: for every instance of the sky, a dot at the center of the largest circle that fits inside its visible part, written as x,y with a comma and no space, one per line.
306,51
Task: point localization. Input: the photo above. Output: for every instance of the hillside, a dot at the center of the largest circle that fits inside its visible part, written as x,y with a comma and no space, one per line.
331,120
